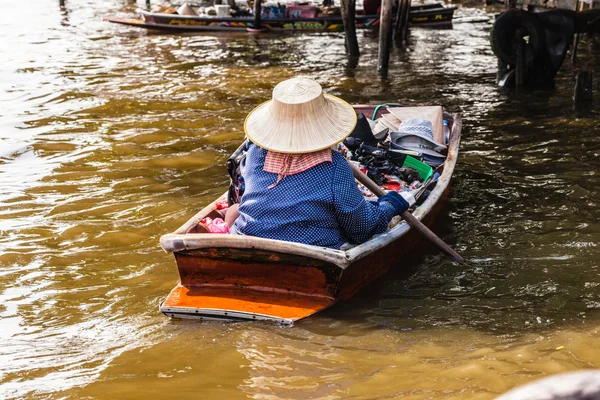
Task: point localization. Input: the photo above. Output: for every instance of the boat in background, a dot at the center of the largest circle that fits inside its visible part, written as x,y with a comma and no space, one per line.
237,277
426,15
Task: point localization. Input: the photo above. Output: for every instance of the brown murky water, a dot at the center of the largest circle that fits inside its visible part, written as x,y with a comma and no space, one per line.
110,137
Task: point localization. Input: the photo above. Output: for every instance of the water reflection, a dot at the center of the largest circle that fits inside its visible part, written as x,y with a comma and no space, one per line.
110,137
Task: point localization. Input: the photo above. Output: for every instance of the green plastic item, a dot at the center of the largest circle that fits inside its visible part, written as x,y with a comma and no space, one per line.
424,170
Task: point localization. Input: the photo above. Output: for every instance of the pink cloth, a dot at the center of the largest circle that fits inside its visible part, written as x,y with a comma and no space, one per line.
284,164
216,225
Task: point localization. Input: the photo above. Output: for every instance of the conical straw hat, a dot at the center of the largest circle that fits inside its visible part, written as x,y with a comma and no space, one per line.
300,119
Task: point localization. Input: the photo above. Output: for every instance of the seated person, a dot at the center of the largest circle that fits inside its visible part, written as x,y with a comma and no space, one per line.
296,188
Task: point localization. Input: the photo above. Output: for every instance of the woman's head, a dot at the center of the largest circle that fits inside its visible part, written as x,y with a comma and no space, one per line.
300,119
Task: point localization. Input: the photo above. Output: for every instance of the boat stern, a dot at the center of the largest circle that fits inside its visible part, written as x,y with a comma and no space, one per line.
239,304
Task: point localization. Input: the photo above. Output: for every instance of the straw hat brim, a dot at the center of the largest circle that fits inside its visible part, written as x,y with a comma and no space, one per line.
325,127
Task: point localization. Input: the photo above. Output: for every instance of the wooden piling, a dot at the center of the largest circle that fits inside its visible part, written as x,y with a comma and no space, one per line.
583,86
520,62
406,16
578,6
257,11
61,3
399,22
385,36
349,17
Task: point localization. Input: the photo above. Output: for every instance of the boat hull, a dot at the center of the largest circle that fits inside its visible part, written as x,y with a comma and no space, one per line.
243,284
236,277
179,23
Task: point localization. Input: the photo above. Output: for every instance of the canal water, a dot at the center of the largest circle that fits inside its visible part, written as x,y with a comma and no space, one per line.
111,137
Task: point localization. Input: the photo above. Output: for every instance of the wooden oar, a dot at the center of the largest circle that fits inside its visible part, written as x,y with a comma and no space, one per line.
408,217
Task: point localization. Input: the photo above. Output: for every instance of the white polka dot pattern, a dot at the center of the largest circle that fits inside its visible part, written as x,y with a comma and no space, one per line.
321,206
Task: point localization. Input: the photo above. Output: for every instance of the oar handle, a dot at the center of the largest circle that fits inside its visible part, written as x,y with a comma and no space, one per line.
408,217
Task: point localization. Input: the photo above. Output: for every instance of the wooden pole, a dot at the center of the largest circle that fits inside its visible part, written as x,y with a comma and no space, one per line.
401,22
61,3
349,18
520,63
385,36
578,7
583,86
406,18
398,20
148,4
257,11
408,217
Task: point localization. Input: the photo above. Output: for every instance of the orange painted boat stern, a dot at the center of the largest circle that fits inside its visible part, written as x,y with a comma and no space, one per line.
240,305
250,284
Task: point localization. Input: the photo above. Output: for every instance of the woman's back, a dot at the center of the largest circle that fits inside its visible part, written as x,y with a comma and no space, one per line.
321,206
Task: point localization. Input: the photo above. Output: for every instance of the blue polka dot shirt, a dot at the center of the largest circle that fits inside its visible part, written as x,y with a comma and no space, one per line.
321,206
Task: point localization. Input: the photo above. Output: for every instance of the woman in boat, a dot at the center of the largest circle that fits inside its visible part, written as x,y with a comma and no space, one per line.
296,188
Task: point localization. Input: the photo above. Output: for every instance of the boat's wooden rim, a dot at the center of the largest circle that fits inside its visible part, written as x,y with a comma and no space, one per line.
180,241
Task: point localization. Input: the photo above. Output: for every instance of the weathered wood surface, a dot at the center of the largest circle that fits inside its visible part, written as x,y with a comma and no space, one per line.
257,270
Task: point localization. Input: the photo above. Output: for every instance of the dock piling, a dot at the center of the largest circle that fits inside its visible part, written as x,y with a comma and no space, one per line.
401,23
520,62
349,18
583,86
385,36
257,11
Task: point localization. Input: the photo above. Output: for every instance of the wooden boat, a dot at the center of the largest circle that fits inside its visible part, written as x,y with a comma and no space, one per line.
435,14
237,277
429,15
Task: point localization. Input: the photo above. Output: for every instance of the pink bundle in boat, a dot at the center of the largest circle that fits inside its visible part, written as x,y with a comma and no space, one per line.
216,225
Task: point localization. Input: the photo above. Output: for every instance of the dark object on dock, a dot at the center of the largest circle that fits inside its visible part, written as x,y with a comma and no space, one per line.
430,16
583,86
549,35
538,59
579,385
